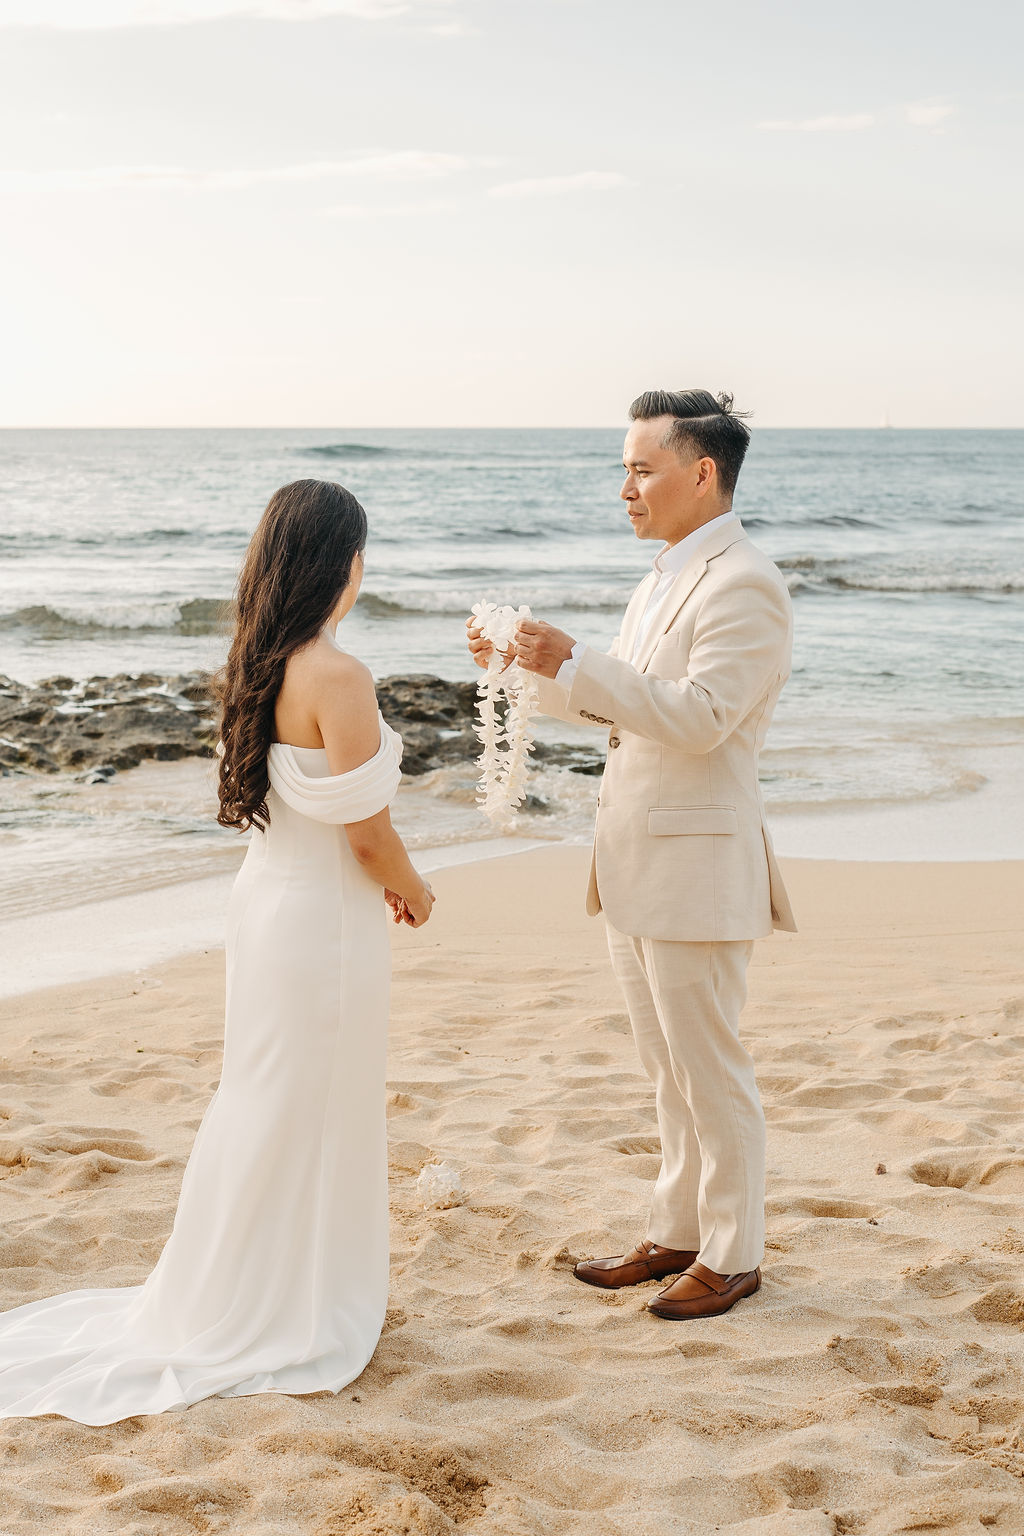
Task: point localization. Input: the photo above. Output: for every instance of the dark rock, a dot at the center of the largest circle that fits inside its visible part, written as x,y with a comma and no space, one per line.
577,759
433,700
435,718
102,724
105,722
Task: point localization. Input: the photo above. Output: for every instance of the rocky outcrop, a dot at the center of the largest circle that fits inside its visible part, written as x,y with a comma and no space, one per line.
105,722
99,725
434,718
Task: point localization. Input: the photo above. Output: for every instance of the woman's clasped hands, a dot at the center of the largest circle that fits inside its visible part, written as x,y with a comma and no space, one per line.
412,910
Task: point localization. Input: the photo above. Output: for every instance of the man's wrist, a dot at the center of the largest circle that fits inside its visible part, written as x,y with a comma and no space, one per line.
566,674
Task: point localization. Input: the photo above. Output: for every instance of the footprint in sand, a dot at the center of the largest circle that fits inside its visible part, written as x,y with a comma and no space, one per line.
842,1094
971,1170
73,1156
187,1499
635,1146
1002,1303
809,1205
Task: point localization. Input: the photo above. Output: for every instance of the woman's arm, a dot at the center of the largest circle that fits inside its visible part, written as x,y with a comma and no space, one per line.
348,720
379,849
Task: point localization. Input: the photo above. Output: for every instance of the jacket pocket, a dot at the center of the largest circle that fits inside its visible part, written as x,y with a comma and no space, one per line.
673,821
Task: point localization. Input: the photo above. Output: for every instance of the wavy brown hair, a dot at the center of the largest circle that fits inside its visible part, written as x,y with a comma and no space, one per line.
296,567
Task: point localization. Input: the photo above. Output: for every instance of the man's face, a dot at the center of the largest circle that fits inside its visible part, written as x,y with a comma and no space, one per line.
666,496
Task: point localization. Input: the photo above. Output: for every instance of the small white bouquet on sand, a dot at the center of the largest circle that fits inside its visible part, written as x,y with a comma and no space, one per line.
506,744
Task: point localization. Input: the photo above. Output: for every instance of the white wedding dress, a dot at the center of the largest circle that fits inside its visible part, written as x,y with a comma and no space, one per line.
275,1275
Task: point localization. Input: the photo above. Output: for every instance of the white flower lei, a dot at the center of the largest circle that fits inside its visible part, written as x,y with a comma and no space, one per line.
506,746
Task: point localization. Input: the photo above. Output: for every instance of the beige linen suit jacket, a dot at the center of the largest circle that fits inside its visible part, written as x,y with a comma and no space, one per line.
681,849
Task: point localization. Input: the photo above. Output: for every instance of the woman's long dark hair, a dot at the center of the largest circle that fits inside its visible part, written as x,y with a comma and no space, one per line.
296,568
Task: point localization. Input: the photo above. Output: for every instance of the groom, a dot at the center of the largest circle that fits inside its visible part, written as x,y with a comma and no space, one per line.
683,864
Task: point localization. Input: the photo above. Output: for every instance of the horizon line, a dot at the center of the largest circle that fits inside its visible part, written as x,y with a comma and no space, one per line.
451,427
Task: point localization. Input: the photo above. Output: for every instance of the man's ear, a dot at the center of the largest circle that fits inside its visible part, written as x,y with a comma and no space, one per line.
707,471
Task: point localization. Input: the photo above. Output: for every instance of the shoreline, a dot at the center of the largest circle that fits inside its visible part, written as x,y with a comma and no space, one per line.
127,934
116,876
106,871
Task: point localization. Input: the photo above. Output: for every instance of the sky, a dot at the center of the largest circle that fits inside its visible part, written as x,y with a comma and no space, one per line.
509,212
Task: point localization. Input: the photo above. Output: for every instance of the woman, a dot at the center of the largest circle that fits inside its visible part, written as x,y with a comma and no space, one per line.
274,1278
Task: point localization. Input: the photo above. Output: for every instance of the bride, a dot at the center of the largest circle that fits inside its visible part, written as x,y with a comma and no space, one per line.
275,1275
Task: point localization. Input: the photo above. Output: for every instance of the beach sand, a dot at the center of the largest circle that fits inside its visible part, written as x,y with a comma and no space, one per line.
874,1385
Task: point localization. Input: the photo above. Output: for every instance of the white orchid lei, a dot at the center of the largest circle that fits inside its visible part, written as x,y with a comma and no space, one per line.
507,744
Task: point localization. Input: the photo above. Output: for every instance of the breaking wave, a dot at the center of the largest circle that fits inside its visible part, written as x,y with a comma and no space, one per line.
194,616
810,574
459,601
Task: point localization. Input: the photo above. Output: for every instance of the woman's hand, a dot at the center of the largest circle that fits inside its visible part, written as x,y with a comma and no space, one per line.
402,912
419,906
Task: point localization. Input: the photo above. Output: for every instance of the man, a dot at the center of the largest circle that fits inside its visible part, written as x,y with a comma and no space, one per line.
683,866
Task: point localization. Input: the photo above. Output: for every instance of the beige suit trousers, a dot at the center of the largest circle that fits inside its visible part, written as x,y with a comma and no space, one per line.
684,1002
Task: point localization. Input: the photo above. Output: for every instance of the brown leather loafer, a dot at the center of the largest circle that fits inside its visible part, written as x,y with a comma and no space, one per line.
701,1293
647,1261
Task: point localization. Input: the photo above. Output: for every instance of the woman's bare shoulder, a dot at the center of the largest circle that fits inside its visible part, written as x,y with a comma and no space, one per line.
340,669
322,664
337,687
344,702
322,680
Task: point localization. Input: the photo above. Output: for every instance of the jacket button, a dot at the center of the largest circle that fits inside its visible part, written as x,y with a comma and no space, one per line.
613,741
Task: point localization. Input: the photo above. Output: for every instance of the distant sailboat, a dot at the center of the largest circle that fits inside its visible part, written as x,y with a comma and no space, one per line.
885,422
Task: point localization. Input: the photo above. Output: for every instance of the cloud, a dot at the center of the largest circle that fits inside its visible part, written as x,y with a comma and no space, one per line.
98,15
380,166
929,114
854,123
452,29
386,210
922,114
550,186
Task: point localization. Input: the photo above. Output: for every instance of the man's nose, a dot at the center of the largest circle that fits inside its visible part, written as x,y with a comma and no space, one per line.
629,490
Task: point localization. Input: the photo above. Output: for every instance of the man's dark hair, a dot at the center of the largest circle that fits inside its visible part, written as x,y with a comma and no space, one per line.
705,426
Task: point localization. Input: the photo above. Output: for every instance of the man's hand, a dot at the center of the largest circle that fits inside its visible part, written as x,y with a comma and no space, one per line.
482,650
541,648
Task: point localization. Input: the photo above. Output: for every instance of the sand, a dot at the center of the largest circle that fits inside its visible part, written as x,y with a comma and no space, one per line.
875,1384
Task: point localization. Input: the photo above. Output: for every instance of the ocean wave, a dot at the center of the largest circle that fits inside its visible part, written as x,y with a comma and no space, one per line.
445,602
805,519
844,520
193,616
30,541
491,535
350,451
525,459
807,573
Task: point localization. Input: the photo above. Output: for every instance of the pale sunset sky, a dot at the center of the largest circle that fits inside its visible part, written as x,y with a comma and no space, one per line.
509,212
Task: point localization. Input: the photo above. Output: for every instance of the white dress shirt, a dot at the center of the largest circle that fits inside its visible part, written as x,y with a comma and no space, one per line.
668,563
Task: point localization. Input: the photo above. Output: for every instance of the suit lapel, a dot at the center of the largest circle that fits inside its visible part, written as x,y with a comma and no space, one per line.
681,588
634,613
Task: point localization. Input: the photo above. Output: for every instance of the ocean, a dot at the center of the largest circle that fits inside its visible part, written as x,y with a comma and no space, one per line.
901,732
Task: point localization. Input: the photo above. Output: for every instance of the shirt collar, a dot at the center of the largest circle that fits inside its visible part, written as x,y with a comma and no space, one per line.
671,560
